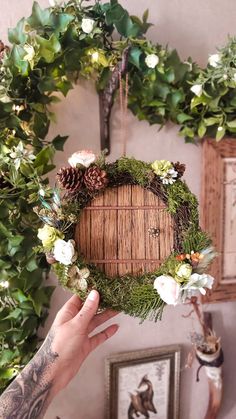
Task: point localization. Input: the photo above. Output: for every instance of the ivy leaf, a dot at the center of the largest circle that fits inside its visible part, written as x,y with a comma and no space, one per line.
211,121
201,130
19,296
134,56
59,141
32,264
17,35
16,59
231,124
180,69
44,156
16,240
48,48
220,134
183,117
64,86
40,124
39,17
61,22
115,13
46,84
8,373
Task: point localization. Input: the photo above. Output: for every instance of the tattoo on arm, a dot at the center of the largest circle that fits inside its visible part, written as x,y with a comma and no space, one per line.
28,395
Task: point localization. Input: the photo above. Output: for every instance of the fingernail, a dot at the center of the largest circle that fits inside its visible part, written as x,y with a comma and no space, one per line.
92,295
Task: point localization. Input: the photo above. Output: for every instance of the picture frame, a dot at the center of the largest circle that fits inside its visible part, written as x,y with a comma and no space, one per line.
218,214
144,381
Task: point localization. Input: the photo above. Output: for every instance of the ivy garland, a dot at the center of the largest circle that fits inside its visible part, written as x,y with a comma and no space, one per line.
178,278
50,50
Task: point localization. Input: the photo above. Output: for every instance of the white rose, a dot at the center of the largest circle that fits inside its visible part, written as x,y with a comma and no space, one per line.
196,89
87,25
168,289
64,252
152,60
84,157
214,60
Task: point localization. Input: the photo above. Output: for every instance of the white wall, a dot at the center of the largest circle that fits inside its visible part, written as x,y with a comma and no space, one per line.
194,28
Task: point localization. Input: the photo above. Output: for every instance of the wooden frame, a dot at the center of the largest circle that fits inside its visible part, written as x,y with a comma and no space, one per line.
160,367
213,212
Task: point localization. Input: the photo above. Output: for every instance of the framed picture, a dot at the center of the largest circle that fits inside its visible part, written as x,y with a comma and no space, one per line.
218,213
144,384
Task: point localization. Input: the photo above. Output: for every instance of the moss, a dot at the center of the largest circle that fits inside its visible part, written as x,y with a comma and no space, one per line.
139,170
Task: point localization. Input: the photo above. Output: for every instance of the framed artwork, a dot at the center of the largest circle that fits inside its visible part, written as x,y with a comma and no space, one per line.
218,213
144,384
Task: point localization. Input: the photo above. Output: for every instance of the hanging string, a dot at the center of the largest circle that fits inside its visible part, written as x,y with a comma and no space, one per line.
123,111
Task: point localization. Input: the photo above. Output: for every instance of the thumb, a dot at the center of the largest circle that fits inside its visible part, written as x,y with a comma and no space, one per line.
87,312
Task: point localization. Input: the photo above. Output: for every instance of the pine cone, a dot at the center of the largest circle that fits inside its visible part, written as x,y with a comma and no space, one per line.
180,168
4,182
95,178
70,178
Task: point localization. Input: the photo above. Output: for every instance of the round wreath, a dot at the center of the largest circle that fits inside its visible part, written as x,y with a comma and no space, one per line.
179,277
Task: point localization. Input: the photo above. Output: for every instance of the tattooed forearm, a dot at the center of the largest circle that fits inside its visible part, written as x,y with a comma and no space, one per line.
29,395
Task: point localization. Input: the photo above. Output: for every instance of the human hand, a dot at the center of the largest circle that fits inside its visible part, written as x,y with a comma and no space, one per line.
70,336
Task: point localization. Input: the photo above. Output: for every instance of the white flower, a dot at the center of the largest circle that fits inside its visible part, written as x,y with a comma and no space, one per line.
54,3
234,77
170,177
197,89
220,128
21,153
168,289
64,252
95,56
87,25
214,60
198,283
184,270
4,284
225,76
84,157
152,60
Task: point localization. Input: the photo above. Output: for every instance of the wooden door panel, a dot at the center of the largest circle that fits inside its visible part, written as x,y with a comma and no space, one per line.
114,231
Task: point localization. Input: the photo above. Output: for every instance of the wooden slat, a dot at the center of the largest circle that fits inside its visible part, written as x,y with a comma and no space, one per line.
82,235
166,239
152,248
97,231
124,227
138,230
110,231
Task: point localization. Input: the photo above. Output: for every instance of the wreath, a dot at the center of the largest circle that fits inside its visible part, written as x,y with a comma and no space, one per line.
181,276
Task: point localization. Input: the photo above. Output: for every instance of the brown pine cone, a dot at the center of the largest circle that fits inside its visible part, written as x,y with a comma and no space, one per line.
70,178
95,178
180,168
